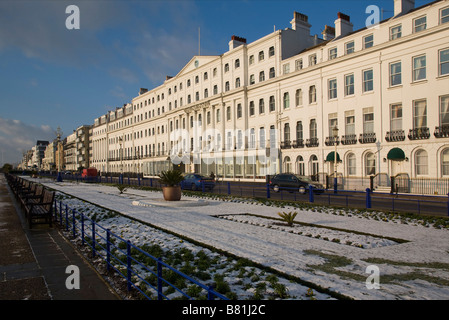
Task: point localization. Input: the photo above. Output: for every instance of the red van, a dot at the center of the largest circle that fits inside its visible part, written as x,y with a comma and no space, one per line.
89,172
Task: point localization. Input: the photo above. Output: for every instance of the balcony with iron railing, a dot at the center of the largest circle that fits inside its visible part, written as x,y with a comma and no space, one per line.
369,137
287,144
298,143
419,133
349,139
395,135
330,141
441,131
312,142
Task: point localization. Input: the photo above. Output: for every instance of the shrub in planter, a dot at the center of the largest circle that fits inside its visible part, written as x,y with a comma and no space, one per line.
171,179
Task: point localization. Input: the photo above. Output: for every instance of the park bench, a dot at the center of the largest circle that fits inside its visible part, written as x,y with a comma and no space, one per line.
32,197
40,211
17,184
28,190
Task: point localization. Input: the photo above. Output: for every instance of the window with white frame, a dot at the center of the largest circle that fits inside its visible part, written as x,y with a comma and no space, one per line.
286,132
420,113
368,41
239,111
252,138
444,15
332,92
349,84
312,94
421,163
370,164
261,106
419,68
298,64
368,120
271,52
313,129
261,76
286,100
261,56
252,79
420,24
368,80
272,73
444,110
286,68
298,97
396,117
262,137
312,60
445,162
395,32
272,106
218,115
333,122
300,166
444,62
395,74
332,53
351,163
349,47
299,131
251,59
251,108
349,122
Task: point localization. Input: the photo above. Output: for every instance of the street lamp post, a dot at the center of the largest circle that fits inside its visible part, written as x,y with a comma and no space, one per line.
121,160
335,134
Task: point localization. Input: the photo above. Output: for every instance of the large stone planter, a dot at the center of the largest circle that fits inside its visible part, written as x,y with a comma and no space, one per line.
172,193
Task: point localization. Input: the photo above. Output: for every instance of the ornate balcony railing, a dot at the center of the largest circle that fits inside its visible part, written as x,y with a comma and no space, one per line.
287,144
298,143
369,137
330,141
349,139
419,133
441,131
312,142
395,135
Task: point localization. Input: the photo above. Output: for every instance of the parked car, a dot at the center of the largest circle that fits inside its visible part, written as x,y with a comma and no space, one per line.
195,181
293,182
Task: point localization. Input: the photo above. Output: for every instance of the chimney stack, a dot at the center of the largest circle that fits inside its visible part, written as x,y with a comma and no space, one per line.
403,6
235,42
300,21
343,25
328,33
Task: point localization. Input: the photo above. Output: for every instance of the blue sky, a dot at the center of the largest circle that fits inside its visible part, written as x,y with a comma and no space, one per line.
51,76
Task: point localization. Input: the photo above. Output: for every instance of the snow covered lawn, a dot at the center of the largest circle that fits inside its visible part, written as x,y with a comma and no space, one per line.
330,248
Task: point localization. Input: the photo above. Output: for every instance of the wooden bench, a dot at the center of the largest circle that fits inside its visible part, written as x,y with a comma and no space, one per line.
32,197
40,211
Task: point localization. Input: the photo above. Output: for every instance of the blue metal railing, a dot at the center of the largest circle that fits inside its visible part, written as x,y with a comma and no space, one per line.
422,204
122,256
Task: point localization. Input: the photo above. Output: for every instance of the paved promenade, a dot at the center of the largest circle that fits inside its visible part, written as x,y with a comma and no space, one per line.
33,262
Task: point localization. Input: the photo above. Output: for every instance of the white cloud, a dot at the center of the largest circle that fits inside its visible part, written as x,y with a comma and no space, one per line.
17,137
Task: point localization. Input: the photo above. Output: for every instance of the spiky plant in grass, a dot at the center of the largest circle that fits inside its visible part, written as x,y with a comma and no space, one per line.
288,217
121,188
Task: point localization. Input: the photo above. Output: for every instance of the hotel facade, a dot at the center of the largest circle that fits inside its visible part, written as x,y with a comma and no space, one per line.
378,96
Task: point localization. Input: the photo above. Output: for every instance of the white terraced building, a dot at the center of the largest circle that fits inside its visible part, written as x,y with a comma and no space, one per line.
273,105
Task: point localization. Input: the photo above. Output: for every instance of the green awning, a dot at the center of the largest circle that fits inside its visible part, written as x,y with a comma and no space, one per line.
396,154
331,155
